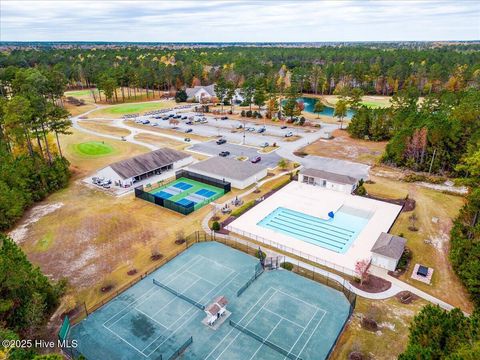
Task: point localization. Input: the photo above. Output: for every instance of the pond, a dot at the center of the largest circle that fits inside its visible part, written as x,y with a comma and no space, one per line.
327,111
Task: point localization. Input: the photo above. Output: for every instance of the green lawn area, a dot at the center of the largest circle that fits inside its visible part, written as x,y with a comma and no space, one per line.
132,108
93,148
371,104
78,92
45,242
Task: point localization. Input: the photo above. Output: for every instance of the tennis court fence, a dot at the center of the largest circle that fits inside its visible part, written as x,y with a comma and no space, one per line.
271,345
180,295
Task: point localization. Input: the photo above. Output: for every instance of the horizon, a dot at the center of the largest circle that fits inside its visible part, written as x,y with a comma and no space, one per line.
247,21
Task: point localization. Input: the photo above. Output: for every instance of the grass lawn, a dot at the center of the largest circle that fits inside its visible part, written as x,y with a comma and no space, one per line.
82,165
116,111
93,148
392,336
79,93
104,127
430,244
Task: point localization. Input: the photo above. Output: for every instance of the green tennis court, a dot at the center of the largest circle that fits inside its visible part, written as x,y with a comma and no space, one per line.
187,192
280,315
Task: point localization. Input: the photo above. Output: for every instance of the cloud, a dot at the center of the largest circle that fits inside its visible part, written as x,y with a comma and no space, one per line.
237,21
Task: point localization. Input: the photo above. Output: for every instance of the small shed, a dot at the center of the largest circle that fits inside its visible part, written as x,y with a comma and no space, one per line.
216,309
387,251
329,180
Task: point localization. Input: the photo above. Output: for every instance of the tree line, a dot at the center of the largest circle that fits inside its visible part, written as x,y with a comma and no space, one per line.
31,161
440,134
376,70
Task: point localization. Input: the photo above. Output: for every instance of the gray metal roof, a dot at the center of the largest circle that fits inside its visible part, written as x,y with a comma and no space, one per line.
144,163
210,89
221,167
338,178
389,245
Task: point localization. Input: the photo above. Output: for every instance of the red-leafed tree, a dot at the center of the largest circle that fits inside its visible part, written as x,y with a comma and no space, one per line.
361,269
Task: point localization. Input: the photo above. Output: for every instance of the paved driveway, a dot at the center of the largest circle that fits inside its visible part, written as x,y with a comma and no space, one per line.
211,148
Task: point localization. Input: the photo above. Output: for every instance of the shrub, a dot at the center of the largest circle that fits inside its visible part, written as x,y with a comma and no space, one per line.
215,226
260,254
287,265
239,211
249,113
242,113
361,191
404,259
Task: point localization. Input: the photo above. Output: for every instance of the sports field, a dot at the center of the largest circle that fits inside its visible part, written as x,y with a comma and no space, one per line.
280,315
117,111
187,192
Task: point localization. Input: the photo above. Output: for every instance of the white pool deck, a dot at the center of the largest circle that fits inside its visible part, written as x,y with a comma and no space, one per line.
317,201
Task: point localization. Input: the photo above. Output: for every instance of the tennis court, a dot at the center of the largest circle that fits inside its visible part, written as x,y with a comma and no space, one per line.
188,192
279,316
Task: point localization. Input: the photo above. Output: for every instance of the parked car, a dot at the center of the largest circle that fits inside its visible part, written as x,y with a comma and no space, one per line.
184,117
123,138
283,127
177,117
188,130
204,121
224,153
221,141
186,139
224,118
145,122
256,159
289,134
250,129
171,115
264,145
165,118
239,126
261,130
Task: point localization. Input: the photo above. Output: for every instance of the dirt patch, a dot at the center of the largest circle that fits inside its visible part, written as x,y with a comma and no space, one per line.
32,216
344,147
104,127
373,284
406,297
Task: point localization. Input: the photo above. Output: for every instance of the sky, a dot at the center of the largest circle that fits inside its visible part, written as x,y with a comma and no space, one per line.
239,21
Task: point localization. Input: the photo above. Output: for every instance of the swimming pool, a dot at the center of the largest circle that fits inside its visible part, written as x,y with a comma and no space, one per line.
335,234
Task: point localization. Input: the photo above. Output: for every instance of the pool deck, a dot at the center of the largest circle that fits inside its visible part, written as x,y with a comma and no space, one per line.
317,201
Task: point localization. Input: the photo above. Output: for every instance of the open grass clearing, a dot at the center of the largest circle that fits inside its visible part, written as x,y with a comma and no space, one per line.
82,165
389,340
93,148
117,111
104,127
344,147
430,244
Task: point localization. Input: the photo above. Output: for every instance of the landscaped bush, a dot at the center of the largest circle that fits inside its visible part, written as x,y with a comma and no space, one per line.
414,177
239,211
242,113
287,265
361,191
249,113
215,226
404,260
260,254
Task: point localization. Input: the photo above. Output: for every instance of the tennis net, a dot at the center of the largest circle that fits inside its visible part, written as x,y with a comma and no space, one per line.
181,296
271,345
197,198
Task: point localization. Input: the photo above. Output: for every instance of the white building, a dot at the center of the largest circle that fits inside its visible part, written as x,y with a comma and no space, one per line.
328,180
201,93
241,174
387,251
126,172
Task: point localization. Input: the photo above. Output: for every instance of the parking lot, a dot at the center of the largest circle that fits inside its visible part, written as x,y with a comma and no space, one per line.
229,129
269,160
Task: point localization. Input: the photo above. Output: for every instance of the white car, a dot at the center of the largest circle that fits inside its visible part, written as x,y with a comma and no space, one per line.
289,134
264,145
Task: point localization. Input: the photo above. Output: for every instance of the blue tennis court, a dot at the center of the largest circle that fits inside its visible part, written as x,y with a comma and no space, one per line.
185,202
163,195
336,234
281,315
182,186
206,193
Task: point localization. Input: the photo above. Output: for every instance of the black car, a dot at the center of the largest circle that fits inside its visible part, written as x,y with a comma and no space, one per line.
221,141
224,118
284,127
188,130
224,153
